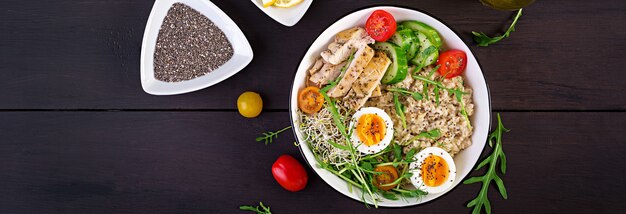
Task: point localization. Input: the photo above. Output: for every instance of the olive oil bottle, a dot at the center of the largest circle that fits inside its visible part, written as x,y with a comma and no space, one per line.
507,4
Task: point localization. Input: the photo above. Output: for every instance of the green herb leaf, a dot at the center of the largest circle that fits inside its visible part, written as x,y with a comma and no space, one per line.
409,155
334,82
432,134
407,92
330,103
436,91
338,146
261,209
483,40
389,195
367,166
397,152
399,109
269,137
482,201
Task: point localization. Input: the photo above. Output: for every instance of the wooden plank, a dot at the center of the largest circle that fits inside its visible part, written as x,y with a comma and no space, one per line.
208,162
70,54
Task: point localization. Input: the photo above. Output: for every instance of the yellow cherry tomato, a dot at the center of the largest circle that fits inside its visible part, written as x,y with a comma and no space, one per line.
250,104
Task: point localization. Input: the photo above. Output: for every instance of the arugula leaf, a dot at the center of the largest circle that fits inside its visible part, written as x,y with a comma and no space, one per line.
334,82
336,145
397,152
330,103
459,98
367,166
483,40
404,91
269,137
432,134
436,91
261,209
389,195
425,84
409,155
399,109
438,84
482,201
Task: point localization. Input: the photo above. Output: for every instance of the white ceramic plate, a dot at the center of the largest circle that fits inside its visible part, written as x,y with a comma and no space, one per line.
241,58
286,16
464,161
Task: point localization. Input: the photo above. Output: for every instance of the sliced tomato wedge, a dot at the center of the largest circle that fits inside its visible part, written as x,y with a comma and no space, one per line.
452,63
310,100
381,25
388,175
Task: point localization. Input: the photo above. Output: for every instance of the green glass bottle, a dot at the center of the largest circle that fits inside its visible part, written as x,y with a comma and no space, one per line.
507,4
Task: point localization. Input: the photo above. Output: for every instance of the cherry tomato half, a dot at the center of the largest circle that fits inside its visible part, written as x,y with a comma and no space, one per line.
389,175
310,100
289,173
452,63
381,25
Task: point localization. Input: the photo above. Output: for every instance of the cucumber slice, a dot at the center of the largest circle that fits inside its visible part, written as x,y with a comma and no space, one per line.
415,47
403,38
398,69
429,31
428,53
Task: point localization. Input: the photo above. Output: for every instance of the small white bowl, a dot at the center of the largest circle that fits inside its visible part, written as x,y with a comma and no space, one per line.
481,120
286,16
242,55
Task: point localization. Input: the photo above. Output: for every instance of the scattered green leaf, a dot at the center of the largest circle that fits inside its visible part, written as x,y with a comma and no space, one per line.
269,137
399,109
482,201
403,91
483,40
261,209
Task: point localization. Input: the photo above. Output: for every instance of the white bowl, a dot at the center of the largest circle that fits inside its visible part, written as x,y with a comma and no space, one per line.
285,16
242,55
465,160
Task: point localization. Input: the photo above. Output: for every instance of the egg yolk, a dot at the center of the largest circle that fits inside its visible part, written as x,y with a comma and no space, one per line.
435,171
371,129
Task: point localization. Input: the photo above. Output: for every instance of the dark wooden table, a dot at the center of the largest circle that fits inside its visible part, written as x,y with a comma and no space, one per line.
78,134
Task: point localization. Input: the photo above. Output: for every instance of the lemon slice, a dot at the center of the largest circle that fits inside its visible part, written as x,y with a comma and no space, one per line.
287,3
267,3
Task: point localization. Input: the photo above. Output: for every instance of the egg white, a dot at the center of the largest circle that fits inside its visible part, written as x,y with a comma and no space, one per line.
416,167
360,146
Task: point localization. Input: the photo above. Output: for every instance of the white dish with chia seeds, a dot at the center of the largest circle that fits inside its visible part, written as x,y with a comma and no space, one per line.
242,52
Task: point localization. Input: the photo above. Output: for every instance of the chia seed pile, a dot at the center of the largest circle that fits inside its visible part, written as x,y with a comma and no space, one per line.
189,45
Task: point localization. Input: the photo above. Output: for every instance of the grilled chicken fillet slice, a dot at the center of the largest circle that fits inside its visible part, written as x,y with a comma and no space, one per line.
327,73
368,81
317,66
345,43
361,58
377,92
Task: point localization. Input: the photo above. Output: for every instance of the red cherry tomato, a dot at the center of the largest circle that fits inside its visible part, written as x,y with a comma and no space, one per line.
452,63
380,25
289,173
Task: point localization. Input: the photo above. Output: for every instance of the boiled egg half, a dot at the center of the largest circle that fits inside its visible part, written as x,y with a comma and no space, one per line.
372,130
433,171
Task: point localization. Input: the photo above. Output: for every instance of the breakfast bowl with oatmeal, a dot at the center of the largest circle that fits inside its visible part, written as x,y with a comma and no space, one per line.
390,107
